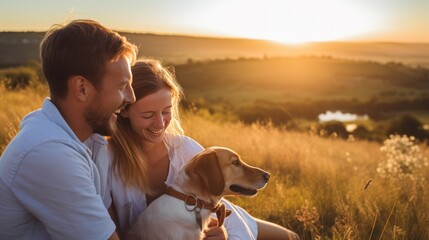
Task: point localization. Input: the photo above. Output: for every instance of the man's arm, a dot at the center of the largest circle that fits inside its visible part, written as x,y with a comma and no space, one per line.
57,185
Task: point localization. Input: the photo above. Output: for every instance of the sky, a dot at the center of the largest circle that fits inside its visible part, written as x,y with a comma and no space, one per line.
287,21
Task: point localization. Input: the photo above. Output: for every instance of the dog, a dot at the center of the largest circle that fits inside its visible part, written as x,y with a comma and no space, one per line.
184,210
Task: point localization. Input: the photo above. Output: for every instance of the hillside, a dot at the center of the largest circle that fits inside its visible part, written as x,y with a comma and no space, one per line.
287,89
18,48
282,79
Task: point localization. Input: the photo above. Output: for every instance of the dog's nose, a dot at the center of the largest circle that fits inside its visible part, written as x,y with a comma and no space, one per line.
266,176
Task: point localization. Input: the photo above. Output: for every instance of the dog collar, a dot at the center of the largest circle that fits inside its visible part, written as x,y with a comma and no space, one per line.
194,204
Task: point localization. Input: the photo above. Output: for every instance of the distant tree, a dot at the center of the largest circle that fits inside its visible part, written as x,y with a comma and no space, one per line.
407,125
361,132
334,128
36,65
265,114
18,78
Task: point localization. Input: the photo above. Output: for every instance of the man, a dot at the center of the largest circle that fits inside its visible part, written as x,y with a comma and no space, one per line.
49,186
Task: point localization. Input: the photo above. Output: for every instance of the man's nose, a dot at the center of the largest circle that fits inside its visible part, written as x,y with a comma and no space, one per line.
129,97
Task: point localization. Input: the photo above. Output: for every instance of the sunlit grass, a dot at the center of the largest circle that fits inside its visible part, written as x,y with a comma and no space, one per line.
14,105
337,177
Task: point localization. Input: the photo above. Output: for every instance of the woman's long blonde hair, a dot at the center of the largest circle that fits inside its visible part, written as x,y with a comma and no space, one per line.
149,76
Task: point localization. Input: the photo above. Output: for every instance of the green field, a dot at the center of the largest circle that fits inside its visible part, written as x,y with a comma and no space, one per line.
294,91
300,78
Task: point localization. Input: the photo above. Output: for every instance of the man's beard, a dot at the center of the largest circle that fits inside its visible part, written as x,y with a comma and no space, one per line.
99,122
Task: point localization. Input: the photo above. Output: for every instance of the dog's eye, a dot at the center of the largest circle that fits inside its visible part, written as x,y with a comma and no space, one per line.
236,162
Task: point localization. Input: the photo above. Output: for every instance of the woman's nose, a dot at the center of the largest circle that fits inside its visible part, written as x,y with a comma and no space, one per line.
159,121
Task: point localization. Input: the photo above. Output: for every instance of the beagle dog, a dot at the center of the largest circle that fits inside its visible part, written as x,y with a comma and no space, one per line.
196,192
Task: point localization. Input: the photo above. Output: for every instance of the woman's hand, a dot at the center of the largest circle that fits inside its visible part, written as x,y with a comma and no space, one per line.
213,232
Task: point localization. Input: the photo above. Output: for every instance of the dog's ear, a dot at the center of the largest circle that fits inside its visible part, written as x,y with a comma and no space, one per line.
208,168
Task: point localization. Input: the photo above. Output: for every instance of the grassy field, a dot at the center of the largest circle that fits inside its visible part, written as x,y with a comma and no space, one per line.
13,106
322,188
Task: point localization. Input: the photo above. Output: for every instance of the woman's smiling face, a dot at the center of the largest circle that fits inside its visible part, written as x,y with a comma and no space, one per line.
151,115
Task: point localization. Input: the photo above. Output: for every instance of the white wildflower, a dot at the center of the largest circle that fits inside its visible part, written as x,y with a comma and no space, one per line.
403,157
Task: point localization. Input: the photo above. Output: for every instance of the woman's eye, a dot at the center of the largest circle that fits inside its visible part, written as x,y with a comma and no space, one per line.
147,116
236,163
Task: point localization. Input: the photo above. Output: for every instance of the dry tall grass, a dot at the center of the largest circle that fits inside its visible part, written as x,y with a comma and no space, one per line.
321,188
14,105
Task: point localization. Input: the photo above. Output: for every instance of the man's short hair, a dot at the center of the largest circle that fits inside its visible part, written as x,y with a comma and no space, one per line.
80,48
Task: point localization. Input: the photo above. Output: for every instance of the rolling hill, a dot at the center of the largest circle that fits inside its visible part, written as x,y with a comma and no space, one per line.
18,48
303,77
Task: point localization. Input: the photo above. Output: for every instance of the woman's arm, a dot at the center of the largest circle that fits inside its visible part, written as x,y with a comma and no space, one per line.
268,230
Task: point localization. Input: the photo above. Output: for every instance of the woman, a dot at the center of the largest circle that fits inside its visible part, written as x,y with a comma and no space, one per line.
149,148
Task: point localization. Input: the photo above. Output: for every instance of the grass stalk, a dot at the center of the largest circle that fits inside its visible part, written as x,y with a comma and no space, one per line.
388,220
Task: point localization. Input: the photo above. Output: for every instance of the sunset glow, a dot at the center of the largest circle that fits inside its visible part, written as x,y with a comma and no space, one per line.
289,21
285,21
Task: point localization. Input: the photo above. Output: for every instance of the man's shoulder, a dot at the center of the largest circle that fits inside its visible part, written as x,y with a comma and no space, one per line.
37,122
44,124
37,133
38,141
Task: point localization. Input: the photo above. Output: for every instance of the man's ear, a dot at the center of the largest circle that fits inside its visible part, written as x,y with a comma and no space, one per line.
80,87
124,112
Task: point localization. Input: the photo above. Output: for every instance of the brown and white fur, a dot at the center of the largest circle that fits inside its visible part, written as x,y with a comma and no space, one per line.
210,175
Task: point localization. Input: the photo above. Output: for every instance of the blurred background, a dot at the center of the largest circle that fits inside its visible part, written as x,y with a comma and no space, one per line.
362,64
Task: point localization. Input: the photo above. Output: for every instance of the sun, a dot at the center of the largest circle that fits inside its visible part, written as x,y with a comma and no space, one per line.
289,21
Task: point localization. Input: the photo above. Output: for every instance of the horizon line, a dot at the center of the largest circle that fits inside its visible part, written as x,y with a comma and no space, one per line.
236,38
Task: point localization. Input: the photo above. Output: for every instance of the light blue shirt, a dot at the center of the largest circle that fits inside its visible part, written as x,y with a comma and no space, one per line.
49,186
